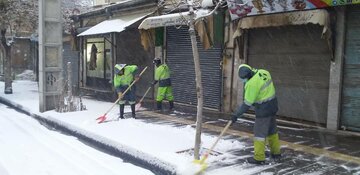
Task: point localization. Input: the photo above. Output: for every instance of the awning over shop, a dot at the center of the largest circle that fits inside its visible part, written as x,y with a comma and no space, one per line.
203,26
113,25
175,19
320,17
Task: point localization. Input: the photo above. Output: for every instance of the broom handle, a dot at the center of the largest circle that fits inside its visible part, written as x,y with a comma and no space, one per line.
126,91
217,140
142,98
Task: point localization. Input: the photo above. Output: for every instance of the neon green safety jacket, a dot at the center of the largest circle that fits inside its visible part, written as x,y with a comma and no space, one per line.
259,91
162,74
259,88
121,82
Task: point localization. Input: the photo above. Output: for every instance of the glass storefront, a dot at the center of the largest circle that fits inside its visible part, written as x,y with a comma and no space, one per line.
98,61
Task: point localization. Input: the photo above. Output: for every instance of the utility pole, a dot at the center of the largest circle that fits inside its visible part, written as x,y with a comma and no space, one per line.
50,54
199,88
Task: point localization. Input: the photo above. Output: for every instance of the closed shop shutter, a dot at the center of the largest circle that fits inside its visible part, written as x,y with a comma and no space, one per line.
181,63
350,114
299,61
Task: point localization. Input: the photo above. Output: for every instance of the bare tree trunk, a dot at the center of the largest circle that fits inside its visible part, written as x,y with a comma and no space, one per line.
7,63
199,88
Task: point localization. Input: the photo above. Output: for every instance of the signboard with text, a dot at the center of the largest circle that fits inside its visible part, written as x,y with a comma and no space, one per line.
242,8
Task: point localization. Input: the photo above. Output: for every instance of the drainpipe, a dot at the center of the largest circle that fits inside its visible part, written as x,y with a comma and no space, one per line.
335,77
232,60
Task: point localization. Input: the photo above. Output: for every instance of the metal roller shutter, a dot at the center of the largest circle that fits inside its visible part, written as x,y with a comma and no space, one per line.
350,114
181,63
299,62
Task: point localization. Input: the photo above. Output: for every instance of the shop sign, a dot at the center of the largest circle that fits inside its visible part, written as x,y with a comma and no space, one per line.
242,8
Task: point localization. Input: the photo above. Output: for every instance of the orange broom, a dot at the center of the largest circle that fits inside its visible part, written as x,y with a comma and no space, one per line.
138,105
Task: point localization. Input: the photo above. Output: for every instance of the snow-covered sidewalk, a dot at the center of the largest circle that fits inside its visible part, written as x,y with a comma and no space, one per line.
153,143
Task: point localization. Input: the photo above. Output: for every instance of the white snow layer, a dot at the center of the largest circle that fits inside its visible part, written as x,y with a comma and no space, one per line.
149,141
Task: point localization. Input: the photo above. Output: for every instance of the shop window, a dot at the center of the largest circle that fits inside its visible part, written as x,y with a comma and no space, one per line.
98,58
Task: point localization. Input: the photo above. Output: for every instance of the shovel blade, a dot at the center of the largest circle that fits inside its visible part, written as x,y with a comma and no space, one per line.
101,119
137,106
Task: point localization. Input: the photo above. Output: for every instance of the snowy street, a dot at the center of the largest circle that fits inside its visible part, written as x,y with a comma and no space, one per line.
209,87
159,139
27,147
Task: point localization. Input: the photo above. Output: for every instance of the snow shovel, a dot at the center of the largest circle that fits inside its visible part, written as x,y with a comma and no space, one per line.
203,165
138,105
103,117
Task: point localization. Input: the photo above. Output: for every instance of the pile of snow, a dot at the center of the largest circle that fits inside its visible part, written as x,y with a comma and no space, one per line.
26,75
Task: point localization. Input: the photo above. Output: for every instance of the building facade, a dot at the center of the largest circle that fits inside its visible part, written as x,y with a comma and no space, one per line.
109,36
350,96
314,75
313,65
313,57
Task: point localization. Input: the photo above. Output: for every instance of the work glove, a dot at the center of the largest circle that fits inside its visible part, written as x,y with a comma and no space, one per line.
153,83
120,94
136,78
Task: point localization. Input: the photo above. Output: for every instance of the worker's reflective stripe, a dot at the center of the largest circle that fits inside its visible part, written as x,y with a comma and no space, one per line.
265,100
268,83
259,139
247,103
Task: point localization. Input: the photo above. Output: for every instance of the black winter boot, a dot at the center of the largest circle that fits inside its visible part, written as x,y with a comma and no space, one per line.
276,157
159,105
133,111
251,160
122,111
171,103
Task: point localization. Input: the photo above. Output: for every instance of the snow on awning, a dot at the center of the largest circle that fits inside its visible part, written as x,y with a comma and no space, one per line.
320,17
175,19
204,29
113,25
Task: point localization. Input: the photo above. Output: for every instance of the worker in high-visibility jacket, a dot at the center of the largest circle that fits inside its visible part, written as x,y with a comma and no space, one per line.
162,75
124,76
260,93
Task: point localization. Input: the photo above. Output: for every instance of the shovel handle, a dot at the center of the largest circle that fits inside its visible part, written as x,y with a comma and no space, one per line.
142,98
